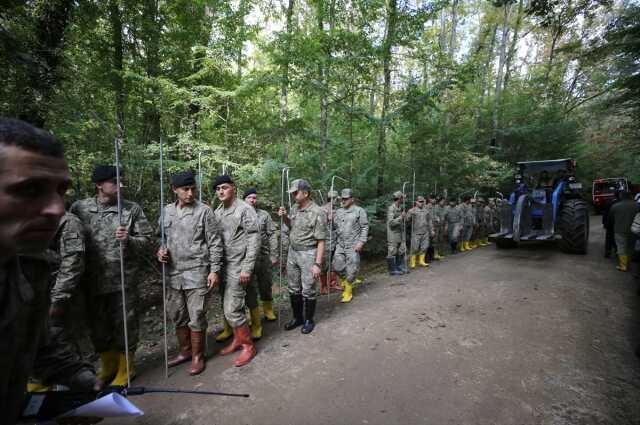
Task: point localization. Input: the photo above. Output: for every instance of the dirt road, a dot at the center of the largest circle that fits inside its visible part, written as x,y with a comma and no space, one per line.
524,336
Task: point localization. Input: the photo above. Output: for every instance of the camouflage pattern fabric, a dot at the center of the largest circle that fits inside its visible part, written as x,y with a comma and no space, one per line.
352,228
395,233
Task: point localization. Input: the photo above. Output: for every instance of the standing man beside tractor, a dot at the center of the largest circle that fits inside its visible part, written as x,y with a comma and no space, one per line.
623,213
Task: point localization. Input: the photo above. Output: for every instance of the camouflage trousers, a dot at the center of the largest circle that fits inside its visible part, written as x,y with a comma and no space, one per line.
346,262
107,324
60,361
237,296
419,243
438,240
454,234
395,247
300,278
467,232
188,307
264,278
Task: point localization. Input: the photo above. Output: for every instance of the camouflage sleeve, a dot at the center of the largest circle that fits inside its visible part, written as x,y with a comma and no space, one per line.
71,248
320,231
394,222
273,239
214,241
251,228
140,232
364,226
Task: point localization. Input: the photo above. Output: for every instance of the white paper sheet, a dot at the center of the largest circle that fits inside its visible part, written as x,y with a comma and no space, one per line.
110,406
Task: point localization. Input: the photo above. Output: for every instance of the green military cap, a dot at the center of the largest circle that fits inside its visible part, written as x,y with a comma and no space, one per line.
420,199
332,194
346,193
300,184
397,194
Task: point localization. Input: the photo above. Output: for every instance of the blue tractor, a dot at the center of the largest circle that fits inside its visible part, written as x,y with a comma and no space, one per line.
546,206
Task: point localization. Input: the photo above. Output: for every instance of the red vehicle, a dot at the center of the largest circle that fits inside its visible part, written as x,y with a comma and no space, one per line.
604,190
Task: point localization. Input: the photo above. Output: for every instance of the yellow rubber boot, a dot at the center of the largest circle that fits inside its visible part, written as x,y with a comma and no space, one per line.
33,387
358,281
121,377
108,369
473,244
347,292
464,246
437,255
623,263
226,333
256,323
422,262
412,261
267,308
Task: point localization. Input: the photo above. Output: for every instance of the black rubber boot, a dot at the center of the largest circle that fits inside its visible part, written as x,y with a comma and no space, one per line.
454,247
309,312
401,265
430,252
296,308
393,269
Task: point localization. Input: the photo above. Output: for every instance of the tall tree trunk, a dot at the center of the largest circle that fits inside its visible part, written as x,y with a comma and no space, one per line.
499,75
484,79
151,41
241,35
454,29
284,88
322,77
387,45
442,36
51,20
514,44
115,17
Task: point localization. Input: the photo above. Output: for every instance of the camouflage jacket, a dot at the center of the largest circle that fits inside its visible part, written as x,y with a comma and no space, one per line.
69,249
394,224
268,237
453,215
468,215
331,231
24,297
192,236
102,257
308,226
421,220
240,235
438,215
351,226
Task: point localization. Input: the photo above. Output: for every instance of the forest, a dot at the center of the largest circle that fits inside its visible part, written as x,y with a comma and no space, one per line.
372,91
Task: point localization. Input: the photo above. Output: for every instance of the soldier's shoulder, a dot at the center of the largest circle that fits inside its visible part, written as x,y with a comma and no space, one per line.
71,222
130,205
82,205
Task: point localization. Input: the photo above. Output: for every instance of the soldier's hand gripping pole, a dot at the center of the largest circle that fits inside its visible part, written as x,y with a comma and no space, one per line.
124,296
331,241
163,245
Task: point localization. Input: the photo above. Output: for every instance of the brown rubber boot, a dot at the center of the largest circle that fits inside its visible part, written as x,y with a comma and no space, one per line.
184,342
324,288
197,352
248,352
334,283
233,347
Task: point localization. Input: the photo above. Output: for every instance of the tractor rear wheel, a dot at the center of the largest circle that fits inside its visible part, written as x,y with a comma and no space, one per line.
574,226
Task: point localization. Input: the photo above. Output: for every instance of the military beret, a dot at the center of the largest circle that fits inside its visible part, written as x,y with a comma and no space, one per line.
346,193
250,191
185,178
104,172
300,184
397,194
224,178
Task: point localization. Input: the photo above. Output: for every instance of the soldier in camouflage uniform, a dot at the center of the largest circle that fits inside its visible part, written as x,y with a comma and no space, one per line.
104,234
241,237
267,260
453,218
351,228
421,230
60,361
430,206
330,245
308,224
396,244
439,212
29,158
488,223
192,252
468,222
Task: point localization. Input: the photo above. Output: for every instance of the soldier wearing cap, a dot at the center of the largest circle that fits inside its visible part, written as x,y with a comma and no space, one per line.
241,237
468,223
431,206
267,259
192,252
351,228
104,234
308,231
439,211
330,245
488,222
421,230
453,218
396,246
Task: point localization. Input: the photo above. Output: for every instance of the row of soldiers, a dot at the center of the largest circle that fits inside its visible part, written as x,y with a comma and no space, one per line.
436,227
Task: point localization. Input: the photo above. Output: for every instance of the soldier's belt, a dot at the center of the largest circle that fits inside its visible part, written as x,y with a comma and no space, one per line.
297,247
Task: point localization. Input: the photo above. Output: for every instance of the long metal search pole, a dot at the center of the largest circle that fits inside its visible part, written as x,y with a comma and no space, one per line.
283,177
163,244
124,296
